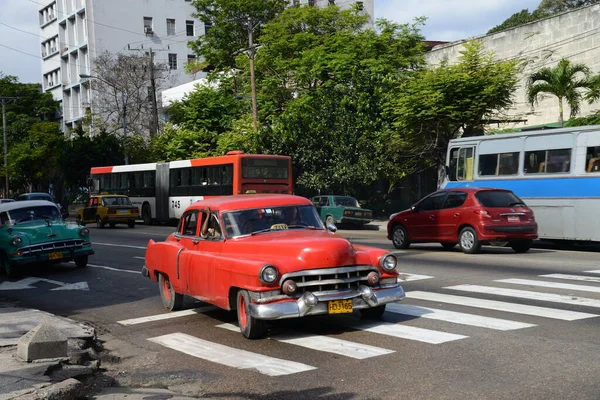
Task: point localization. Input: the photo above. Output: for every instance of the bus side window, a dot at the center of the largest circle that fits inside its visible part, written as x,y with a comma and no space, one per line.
453,164
465,164
593,159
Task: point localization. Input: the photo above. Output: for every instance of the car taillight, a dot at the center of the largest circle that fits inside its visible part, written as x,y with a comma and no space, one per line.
483,213
347,212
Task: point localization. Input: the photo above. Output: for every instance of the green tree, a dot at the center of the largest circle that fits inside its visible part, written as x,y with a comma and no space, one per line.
565,81
557,6
442,102
518,19
228,23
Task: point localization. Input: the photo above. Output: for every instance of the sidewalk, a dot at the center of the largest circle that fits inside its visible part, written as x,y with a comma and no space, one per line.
55,378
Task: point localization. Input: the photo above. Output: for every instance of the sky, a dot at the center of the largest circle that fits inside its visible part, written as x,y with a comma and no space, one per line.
447,20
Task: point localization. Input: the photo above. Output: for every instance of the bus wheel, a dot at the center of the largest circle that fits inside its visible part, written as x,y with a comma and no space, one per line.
99,222
146,215
521,246
467,238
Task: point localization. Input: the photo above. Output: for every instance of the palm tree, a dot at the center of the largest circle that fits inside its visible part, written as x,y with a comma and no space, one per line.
562,82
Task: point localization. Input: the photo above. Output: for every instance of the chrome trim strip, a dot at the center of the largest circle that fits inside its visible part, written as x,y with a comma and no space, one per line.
331,281
328,271
177,263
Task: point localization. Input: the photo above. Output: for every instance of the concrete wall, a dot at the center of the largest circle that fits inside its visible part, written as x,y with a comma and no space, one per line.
573,35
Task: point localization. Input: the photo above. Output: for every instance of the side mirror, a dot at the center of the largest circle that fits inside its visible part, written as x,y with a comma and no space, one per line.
332,227
414,209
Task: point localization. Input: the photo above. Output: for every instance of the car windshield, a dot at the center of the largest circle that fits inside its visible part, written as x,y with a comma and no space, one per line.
258,220
37,196
498,199
345,202
25,214
116,201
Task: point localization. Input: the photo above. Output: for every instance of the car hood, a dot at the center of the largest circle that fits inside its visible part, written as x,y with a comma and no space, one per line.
295,250
40,232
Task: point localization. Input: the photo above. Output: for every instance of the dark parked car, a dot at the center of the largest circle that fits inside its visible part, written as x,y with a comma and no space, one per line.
44,196
470,217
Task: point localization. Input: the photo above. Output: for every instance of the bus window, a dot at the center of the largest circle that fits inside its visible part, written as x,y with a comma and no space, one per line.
593,159
547,161
499,164
464,169
453,164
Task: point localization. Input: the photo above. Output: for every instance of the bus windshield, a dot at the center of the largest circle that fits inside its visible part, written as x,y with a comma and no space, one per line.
264,168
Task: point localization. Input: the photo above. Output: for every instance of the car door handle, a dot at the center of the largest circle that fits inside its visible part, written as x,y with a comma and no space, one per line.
431,217
196,241
456,214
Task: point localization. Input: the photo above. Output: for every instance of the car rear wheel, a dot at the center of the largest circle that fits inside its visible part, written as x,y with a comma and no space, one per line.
521,246
400,237
131,224
81,262
250,327
170,298
373,312
112,224
448,246
469,243
329,221
99,222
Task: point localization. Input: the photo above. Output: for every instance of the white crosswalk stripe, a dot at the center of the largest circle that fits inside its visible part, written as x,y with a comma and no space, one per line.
457,317
325,343
229,356
596,271
524,294
406,277
408,332
524,309
573,277
553,285
159,317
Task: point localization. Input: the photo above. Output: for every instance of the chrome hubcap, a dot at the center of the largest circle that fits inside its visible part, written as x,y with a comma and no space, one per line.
399,236
467,240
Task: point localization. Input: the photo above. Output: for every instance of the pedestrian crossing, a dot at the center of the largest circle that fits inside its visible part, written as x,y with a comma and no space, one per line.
430,320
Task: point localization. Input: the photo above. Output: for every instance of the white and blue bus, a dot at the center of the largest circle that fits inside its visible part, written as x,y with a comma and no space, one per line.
555,171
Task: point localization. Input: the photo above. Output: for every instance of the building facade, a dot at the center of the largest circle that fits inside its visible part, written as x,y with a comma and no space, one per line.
573,35
74,32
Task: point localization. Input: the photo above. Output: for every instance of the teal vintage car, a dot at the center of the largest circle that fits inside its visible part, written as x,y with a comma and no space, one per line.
33,232
342,210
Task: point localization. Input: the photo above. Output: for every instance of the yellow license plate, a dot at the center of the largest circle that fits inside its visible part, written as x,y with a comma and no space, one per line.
339,306
57,255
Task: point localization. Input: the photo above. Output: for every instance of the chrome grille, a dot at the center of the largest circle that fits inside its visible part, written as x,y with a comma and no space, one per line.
330,279
59,245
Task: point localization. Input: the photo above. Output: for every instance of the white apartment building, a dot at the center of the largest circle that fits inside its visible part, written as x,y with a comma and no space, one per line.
74,32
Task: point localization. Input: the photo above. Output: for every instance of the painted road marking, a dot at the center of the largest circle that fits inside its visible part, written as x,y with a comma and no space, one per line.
544,312
114,269
159,317
524,294
140,258
408,332
229,356
457,317
324,343
406,277
119,245
596,271
553,285
573,277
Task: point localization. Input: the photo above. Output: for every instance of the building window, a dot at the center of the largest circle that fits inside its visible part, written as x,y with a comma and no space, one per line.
296,2
311,3
189,28
191,58
332,2
360,5
170,27
148,25
172,61
207,27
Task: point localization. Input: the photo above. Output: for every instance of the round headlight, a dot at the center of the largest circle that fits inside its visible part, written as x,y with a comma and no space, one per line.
83,232
16,241
268,274
388,262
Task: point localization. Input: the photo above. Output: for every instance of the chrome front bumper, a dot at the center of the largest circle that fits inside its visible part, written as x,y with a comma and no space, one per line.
364,297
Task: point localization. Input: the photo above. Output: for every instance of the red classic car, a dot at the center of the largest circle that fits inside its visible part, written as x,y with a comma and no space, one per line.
269,257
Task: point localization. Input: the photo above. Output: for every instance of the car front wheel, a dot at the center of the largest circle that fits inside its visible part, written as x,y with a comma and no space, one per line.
521,246
469,243
170,298
250,327
99,222
400,237
81,262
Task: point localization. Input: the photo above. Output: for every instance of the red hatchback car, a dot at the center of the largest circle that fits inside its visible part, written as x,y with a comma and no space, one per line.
467,216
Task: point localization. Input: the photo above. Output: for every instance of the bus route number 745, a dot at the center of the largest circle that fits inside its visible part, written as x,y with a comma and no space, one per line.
175,204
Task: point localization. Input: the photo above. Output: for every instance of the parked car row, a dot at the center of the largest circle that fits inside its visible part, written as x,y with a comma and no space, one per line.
469,217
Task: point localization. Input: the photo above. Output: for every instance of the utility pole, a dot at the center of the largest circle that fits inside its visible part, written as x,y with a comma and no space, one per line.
154,129
4,100
124,101
251,54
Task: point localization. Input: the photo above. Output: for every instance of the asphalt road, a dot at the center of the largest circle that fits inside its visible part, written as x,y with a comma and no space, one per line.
497,325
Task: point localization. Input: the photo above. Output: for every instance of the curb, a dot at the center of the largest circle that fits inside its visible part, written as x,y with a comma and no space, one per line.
69,389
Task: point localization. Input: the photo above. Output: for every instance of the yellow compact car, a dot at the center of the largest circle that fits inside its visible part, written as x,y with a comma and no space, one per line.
108,209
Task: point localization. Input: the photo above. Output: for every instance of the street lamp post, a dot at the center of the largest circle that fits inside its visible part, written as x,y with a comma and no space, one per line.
123,100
